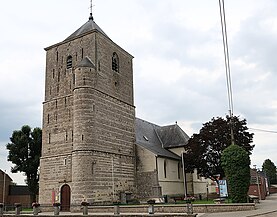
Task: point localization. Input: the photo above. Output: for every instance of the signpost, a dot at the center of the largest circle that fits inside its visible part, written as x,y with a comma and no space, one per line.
223,188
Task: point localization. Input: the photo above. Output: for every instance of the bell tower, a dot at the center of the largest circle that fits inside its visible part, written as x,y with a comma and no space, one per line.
88,120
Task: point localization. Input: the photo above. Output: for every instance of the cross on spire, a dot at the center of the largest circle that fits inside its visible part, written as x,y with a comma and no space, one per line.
91,6
91,17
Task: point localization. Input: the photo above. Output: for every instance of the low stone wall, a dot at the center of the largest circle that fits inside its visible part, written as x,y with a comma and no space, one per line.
176,208
112,215
165,210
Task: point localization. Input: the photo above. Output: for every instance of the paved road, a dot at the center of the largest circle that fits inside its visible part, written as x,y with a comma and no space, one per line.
266,208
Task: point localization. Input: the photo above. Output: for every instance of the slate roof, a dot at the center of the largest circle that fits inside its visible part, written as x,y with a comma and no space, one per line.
157,139
173,136
89,26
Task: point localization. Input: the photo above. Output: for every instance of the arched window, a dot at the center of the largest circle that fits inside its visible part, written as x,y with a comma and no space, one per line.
69,62
115,62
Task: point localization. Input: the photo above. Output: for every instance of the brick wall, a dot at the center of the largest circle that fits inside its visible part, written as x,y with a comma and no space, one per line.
8,181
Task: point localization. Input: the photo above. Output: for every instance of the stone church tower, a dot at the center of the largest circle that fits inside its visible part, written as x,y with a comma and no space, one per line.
88,120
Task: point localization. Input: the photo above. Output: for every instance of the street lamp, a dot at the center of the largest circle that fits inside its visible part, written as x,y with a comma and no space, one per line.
184,176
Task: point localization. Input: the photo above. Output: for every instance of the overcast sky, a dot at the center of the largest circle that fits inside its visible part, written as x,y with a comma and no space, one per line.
179,72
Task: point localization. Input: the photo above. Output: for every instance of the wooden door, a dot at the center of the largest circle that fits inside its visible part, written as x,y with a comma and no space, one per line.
65,198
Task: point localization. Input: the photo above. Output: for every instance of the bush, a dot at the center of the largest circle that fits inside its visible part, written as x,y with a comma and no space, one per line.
235,162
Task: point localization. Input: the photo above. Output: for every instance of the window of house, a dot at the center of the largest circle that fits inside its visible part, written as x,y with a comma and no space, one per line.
165,168
115,62
49,138
48,119
69,62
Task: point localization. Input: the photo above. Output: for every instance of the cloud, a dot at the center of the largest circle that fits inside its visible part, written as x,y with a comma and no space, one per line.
179,72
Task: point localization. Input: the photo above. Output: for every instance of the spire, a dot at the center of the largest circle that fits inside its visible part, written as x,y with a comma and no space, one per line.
90,15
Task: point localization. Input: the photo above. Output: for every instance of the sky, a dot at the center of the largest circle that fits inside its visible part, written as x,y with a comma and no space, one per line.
179,72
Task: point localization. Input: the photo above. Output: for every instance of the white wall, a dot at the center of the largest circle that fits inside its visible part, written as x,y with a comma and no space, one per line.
171,183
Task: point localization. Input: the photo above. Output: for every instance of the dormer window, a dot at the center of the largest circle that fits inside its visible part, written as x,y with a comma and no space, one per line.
115,62
69,62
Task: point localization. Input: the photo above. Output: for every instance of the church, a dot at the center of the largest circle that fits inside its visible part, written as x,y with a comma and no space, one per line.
94,148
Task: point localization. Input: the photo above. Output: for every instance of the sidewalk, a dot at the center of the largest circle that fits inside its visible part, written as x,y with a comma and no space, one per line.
266,208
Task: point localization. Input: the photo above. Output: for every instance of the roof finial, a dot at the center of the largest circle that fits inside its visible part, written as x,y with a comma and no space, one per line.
90,16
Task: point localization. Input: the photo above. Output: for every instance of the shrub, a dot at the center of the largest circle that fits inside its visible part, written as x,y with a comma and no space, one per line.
235,162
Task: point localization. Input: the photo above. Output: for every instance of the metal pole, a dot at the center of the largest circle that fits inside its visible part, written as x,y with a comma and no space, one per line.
232,128
184,176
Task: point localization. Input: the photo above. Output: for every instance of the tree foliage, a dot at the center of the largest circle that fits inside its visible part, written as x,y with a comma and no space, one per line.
270,170
235,162
205,148
24,153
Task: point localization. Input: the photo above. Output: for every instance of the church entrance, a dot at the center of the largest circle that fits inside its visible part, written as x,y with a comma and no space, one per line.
65,198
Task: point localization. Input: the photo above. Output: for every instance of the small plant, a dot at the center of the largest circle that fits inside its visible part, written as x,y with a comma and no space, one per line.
190,199
151,201
56,204
17,204
84,203
35,204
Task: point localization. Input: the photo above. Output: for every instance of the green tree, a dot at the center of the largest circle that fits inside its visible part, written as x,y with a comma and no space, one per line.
205,148
24,153
235,162
270,170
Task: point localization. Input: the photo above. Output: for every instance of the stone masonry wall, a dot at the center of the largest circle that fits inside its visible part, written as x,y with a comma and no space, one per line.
88,127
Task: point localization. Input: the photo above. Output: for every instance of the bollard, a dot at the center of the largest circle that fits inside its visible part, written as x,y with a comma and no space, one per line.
85,210
116,210
189,208
1,209
84,205
56,208
35,206
17,208
151,206
151,209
